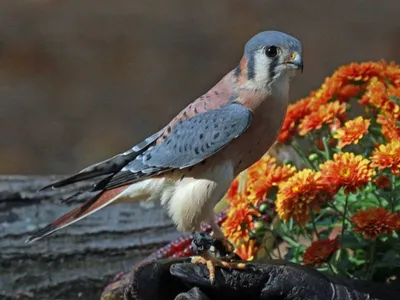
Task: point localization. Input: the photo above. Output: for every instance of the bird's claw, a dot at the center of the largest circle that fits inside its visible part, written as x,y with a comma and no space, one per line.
212,262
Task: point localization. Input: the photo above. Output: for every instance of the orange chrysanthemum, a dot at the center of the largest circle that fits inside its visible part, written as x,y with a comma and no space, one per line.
348,171
299,194
358,72
352,131
295,112
247,251
325,114
387,156
239,221
320,252
373,222
388,121
264,175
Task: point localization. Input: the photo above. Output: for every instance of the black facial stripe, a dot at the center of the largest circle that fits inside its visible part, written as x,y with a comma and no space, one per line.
250,67
272,68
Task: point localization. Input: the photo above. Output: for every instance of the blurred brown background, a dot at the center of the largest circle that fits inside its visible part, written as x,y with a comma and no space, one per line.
81,80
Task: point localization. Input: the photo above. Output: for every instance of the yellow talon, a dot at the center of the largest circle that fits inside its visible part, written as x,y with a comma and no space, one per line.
211,263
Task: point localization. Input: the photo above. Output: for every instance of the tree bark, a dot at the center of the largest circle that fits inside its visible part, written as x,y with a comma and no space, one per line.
76,262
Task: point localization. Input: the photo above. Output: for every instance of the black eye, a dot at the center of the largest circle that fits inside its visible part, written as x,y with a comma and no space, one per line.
271,51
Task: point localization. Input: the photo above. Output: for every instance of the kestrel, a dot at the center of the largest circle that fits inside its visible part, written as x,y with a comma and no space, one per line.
189,164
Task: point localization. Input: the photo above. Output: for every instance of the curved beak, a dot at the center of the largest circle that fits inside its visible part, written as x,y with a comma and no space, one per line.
296,61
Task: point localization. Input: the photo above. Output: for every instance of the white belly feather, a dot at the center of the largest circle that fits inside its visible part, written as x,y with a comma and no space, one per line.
190,199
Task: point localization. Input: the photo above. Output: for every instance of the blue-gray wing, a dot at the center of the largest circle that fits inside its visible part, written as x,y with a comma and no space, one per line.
190,142
199,137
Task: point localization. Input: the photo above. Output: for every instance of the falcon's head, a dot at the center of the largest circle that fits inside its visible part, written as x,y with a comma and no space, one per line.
270,57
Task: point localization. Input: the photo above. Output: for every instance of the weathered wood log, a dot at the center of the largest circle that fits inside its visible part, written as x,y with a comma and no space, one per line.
76,262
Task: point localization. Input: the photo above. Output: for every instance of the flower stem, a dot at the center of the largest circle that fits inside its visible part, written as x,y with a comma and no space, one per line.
333,206
326,148
314,225
303,157
346,201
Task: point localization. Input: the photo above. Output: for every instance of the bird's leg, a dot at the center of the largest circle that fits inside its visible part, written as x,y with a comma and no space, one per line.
203,242
221,243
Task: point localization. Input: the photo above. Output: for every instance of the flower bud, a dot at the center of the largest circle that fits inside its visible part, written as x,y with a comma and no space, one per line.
313,157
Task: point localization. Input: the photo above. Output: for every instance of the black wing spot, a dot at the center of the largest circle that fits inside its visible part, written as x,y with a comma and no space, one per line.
169,129
216,136
201,136
196,150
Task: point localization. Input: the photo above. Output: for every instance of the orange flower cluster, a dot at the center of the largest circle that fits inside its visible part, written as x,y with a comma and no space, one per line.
260,178
239,221
320,252
263,176
376,82
326,114
387,156
323,114
375,221
352,132
299,194
346,170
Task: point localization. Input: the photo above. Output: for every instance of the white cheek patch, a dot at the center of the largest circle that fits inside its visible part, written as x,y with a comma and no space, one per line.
261,69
